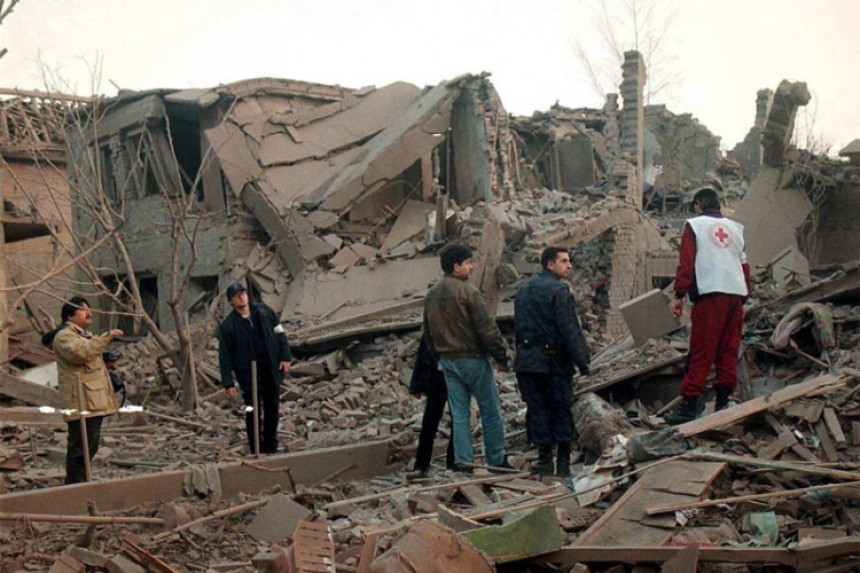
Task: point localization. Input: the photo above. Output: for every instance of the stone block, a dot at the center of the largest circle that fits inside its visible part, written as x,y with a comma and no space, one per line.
649,316
277,520
67,564
272,562
121,564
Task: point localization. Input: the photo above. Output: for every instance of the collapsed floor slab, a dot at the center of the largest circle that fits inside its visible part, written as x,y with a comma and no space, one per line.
348,462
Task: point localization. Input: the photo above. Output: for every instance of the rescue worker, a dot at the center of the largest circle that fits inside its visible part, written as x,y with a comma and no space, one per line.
713,272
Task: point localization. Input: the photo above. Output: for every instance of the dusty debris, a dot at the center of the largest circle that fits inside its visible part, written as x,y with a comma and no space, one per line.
333,204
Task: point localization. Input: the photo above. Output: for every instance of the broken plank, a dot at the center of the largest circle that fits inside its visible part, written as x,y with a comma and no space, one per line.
704,454
799,449
638,373
368,553
782,442
819,384
795,557
623,521
834,427
787,493
826,443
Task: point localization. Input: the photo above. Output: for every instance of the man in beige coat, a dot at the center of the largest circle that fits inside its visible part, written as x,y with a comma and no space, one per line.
79,357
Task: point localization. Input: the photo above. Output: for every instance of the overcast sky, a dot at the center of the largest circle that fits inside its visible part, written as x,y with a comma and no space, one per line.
721,52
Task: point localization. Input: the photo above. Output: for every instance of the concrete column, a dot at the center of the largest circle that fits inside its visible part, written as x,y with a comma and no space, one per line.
633,120
612,131
626,268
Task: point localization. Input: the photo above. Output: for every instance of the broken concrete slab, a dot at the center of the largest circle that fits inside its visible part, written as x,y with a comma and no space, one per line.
414,133
238,163
411,221
432,548
534,533
366,288
277,520
361,460
771,216
649,316
353,124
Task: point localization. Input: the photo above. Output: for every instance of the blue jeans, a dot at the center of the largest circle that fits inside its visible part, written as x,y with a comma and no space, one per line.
474,377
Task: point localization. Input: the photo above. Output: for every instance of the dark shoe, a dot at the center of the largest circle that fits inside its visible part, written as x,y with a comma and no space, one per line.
544,466
504,464
418,474
722,401
462,469
687,411
562,463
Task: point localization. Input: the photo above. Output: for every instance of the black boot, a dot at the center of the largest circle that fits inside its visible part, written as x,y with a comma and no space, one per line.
544,465
562,464
687,411
722,401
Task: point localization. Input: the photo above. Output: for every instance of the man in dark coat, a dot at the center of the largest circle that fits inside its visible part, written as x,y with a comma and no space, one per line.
550,345
252,333
427,379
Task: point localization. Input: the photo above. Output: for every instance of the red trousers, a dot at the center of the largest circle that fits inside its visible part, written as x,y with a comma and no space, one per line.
716,324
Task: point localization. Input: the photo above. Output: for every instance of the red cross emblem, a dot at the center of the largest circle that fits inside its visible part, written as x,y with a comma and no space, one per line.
720,236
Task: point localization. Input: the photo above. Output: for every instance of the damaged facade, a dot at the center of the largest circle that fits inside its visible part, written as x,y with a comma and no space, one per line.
35,192
332,200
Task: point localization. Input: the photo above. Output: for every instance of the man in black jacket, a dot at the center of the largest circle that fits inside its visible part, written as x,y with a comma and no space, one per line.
549,345
251,333
427,379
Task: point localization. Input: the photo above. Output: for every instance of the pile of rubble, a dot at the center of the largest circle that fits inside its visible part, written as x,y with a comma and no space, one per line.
779,469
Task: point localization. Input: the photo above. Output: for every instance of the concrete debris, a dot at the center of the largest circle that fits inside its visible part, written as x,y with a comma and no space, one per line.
432,548
779,125
332,204
648,316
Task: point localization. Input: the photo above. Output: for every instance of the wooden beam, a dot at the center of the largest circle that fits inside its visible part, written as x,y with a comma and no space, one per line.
819,385
786,493
369,459
638,373
812,553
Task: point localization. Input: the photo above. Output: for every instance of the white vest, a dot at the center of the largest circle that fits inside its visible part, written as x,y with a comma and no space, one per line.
719,255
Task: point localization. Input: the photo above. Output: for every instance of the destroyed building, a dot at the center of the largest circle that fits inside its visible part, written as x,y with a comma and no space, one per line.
332,203
35,193
351,189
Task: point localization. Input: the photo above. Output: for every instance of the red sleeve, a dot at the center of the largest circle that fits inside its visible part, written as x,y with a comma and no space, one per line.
685,275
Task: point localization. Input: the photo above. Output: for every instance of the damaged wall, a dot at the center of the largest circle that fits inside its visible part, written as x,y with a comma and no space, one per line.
680,141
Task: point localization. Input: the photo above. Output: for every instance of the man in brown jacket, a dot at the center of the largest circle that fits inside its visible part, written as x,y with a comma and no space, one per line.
79,355
462,336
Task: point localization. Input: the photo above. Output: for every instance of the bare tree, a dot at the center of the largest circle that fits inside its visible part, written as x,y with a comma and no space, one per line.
100,198
5,10
623,25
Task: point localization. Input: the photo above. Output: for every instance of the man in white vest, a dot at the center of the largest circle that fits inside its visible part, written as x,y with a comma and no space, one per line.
714,274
